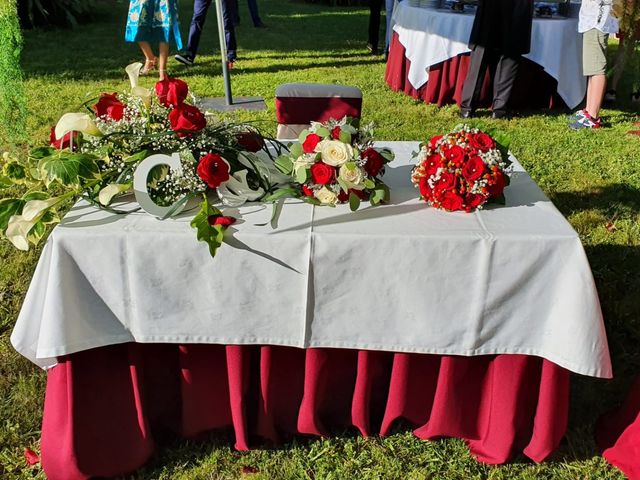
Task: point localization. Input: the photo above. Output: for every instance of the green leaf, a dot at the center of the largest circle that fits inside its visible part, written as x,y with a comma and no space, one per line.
380,194
35,195
311,200
369,184
282,193
16,172
345,137
212,235
343,185
354,202
42,152
68,168
323,132
284,164
301,175
5,182
37,232
296,150
8,208
137,157
303,135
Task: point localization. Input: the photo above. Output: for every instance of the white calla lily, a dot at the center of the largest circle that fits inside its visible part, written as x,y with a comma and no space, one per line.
18,231
34,209
110,191
236,190
76,122
133,70
142,93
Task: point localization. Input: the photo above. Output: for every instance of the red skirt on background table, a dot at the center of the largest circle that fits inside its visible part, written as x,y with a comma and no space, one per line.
104,407
534,88
618,435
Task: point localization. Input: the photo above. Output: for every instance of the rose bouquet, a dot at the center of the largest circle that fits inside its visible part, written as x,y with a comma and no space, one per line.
95,154
462,170
335,162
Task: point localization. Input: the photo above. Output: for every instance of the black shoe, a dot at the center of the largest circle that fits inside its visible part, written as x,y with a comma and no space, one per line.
186,59
500,115
260,25
466,113
372,49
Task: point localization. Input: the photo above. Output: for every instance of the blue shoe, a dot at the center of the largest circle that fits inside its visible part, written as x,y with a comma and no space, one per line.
584,120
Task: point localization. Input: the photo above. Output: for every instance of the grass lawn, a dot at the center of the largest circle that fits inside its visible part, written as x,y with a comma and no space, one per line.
592,176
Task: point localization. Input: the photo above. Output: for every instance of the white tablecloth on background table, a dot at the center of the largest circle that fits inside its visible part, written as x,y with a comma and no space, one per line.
399,277
433,36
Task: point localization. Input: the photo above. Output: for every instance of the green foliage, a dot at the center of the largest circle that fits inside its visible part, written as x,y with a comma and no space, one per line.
68,168
13,104
212,235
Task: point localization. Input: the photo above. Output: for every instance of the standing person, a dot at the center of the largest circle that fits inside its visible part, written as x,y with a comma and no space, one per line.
200,8
501,34
374,25
595,24
153,21
253,11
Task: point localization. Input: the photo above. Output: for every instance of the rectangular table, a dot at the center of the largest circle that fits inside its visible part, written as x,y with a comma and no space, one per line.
402,309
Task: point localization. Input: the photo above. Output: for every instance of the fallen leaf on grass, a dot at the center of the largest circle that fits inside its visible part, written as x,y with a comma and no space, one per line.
31,457
610,226
248,469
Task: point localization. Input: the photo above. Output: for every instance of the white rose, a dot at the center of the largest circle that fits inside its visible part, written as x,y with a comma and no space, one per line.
335,153
352,175
326,196
304,161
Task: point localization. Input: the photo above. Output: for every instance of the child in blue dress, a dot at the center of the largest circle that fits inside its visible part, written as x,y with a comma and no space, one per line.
154,22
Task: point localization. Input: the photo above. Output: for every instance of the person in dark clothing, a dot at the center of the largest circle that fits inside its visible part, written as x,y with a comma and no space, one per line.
374,25
501,34
253,11
200,8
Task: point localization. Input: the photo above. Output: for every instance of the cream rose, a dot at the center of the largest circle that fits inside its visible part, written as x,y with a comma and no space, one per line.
352,175
304,161
335,153
326,196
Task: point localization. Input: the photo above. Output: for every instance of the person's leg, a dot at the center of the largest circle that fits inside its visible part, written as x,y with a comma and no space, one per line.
236,12
150,58
389,26
200,8
503,82
255,14
595,93
229,10
374,25
162,61
595,66
473,83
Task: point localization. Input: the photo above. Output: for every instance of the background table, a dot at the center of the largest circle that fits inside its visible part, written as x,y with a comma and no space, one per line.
428,60
336,319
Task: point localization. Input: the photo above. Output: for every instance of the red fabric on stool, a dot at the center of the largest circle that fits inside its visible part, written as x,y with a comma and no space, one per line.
534,88
101,405
301,110
618,435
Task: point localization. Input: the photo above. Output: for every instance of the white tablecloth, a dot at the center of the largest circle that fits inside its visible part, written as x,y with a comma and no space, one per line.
400,277
432,36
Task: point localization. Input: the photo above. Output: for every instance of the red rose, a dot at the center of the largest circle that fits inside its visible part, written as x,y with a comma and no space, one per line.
250,141
308,192
375,161
64,142
481,141
310,143
335,133
446,181
496,184
473,169
322,174
186,119
171,92
425,189
109,106
434,141
454,154
213,170
451,200
344,196
221,220
472,200
432,163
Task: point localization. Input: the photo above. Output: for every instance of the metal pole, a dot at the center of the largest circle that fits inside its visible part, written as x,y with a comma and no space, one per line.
223,52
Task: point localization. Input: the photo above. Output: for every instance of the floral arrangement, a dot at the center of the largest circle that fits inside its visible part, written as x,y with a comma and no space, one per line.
94,155
462,170
335,162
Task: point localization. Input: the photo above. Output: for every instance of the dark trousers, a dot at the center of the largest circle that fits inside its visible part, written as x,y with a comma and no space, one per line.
502,69
374,22
200,8
253,11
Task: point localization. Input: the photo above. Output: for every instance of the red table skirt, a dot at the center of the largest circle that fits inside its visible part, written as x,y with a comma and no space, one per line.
618,435
534,88
104,407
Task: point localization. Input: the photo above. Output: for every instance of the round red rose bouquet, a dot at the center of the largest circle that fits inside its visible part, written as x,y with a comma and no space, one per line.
462,170
335,162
